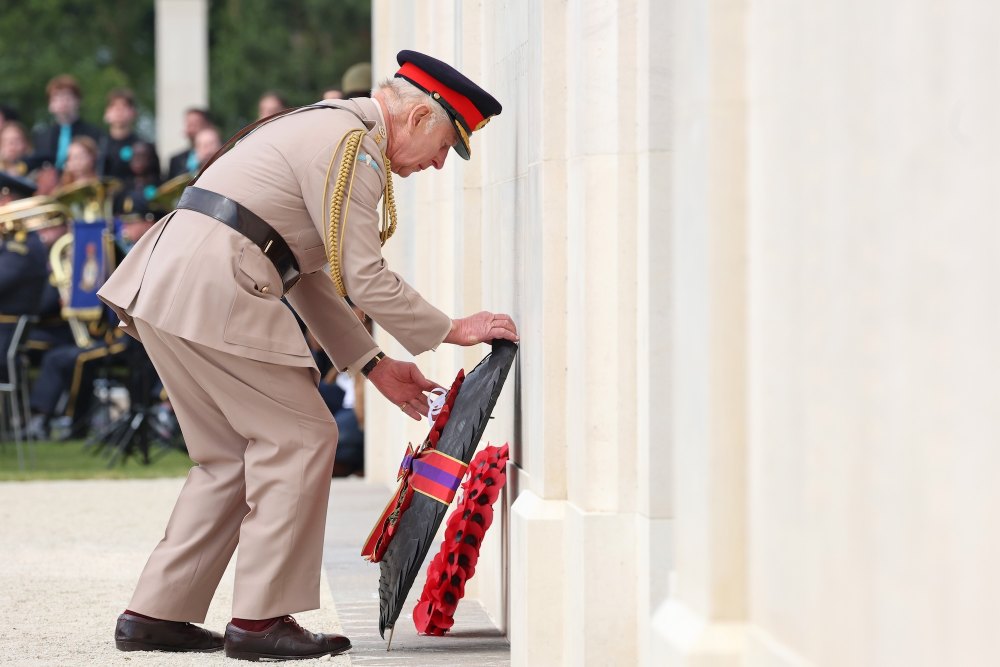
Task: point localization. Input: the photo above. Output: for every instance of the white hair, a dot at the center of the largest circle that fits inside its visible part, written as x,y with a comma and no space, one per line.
401,96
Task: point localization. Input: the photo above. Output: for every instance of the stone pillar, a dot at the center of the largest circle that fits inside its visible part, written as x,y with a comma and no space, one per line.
181,69
537,61
600,545
702,623
654,222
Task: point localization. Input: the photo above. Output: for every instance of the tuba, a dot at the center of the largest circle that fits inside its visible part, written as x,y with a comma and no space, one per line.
31,215
61,261
88,203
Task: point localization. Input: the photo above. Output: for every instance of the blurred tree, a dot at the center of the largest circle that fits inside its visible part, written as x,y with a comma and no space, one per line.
297,47
105,45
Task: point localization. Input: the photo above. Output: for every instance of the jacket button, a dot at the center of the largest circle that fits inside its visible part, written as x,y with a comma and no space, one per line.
263,290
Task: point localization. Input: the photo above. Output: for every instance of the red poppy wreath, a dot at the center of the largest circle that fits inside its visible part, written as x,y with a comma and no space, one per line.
456,562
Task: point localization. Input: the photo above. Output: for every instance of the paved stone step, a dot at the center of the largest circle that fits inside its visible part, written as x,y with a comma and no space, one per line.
474,640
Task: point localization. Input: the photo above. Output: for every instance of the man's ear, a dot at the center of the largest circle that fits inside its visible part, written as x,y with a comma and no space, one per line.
417,115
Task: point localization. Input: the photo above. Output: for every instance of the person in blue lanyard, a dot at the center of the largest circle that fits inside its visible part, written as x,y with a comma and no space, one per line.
52,141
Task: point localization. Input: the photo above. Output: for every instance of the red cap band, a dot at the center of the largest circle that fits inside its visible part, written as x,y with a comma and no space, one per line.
471,116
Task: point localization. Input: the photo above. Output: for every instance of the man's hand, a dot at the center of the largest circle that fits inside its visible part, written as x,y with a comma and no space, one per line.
403,384
482,328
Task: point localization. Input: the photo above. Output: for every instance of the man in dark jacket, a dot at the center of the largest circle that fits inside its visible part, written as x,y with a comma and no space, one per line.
116,147
52,141
195,120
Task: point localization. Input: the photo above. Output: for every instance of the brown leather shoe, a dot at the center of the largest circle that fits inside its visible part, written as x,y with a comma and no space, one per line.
285,640
134,633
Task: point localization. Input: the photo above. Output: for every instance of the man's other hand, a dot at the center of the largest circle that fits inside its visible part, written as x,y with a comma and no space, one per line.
403,384
482,328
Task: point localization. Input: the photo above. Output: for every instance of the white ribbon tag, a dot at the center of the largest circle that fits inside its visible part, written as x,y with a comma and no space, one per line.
435,403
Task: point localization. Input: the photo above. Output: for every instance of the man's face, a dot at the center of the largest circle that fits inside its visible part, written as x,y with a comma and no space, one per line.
119,113
417,149
268,106
206,143
193,124
13,145
64,105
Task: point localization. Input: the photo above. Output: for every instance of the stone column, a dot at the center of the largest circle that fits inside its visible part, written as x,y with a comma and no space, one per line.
702,623
537,65
654,37
600,539
181,68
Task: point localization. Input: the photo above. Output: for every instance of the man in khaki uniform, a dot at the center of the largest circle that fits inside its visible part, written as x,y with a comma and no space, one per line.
202,290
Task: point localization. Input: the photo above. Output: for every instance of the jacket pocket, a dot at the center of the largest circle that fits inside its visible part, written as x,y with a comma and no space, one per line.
258,318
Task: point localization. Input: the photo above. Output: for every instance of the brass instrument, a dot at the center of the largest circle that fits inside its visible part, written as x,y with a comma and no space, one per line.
168,194
88,200
61,261
85,201
32,214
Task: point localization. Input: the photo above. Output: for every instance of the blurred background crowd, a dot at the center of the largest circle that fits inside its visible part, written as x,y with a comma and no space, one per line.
76,166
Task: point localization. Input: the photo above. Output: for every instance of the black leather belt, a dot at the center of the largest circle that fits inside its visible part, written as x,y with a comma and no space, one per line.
249,224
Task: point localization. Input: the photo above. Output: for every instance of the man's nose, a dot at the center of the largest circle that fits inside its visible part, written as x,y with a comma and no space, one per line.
440,158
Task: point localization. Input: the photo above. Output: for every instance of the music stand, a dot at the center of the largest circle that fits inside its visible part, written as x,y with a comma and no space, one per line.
138,429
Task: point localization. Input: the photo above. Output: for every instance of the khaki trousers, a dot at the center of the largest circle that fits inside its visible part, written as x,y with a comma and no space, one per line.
264,442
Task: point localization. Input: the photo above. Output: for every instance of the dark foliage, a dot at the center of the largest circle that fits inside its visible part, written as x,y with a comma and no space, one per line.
297,47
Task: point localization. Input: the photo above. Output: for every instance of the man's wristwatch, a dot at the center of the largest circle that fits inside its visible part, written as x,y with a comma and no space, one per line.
372,363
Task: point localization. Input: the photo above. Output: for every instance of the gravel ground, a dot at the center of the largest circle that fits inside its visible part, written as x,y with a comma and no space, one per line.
70,553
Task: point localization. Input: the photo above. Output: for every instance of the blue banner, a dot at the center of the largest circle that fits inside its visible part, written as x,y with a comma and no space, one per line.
91,267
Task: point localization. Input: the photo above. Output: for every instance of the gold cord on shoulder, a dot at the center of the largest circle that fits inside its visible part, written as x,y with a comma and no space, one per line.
351,142
388,206
340,202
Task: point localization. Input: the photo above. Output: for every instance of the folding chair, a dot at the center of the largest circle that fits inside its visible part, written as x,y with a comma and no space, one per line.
15,389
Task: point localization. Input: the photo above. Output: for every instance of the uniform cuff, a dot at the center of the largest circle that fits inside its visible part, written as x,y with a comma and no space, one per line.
442,333
355,366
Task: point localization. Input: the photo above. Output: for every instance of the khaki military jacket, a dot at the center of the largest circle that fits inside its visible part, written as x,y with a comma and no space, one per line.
196,278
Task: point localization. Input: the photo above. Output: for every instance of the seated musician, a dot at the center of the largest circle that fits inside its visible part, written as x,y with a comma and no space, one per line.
22,269
17,158
62,398
51,330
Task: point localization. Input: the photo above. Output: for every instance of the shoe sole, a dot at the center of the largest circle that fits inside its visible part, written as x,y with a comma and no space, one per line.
142,646
267,657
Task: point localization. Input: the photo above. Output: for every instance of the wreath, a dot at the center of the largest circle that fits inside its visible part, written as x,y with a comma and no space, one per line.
456,562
